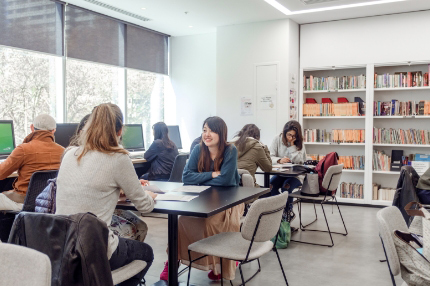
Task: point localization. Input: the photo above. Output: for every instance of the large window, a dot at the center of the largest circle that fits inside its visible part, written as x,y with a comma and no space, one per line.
145,100
27,88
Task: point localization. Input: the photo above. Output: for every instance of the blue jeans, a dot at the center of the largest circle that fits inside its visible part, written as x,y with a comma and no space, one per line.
285,184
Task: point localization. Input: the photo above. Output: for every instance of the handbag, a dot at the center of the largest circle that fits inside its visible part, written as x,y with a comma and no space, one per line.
310,186
284,235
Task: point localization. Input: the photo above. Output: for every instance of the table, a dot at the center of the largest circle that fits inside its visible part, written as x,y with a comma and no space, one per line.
209,202
288,172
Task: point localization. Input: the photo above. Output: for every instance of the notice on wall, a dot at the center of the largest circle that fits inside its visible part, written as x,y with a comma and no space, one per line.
293,104
246,106
267,102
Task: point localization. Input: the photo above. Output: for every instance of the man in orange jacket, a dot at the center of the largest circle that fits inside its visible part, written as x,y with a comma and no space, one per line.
38,152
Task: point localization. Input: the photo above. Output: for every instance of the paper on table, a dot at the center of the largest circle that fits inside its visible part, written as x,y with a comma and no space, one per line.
180,198
286,165
153,189
191,189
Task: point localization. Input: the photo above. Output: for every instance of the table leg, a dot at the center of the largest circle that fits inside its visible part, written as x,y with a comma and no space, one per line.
173,249
266,180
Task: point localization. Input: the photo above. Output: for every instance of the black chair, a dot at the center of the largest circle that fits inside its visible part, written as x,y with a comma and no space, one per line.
38,182
178,168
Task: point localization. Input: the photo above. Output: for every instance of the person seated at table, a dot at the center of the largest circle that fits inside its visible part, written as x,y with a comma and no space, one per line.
251,152
91,176
161,154
212,163
38,152
287,147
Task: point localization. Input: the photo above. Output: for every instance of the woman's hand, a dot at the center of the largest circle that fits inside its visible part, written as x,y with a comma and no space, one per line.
215,174
144,182
153,195
284,160
121,193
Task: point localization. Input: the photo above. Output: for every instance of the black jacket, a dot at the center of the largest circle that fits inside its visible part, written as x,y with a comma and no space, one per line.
161,159
406,191
75,244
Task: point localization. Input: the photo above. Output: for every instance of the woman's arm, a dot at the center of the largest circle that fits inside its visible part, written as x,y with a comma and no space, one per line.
296,156
264,160
191,175
274,150
152,151
228,171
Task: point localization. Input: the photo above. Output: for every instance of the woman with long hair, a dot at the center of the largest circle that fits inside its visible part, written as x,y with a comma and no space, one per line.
212,163
161,154
91,176
251,152
287,147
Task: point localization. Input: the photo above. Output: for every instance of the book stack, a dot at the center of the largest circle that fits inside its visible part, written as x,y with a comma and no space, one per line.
383,194
352,162
334,83
400,136
331,109
348,135
317,135
351,190
381,161
401,108
402,79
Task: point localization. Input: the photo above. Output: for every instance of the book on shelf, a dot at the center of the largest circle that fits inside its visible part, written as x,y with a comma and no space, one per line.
401,108
382,194
352,162
336,136
316,157
396,160
361,105
400,136
375,188
334,83
381,161
402,79
351,190
331,109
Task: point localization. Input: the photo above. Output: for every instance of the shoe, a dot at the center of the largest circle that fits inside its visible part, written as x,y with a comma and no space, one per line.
165,274
212,276
292,216
293,229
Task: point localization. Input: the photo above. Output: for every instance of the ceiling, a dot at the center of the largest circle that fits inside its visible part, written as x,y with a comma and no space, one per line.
174,17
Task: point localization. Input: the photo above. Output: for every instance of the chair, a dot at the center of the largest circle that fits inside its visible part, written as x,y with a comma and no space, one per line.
261,225
390,219
178,168
17,266
330,182
38,182
245,178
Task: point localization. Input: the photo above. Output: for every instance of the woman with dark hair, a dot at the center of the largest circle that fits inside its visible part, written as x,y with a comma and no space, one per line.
161,154
287,147
251,152
212,163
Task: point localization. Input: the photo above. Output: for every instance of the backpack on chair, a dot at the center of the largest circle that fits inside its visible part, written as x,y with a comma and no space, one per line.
329,160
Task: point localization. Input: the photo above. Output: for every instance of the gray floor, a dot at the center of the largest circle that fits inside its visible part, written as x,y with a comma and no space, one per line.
354,260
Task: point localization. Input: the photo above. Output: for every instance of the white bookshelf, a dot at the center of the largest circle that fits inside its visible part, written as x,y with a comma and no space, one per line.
367,176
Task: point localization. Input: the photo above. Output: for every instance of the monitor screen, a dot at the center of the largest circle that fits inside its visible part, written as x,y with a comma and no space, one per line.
7,138
132,137
64,133
175,135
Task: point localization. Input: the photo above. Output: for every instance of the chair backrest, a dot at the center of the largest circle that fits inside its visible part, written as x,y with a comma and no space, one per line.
390,219
178,168
332,177
264,218
38,182
246,178
18,263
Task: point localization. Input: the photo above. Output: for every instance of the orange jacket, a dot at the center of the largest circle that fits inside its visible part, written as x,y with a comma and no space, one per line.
38,152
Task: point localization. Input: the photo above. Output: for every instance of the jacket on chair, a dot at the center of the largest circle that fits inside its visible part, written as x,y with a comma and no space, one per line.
406,190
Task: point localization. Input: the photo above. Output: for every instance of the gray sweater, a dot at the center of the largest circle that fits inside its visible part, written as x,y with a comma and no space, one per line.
278,151
93,186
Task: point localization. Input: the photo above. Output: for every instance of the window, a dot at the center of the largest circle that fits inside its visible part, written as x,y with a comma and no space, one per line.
145,100
88,85
27,88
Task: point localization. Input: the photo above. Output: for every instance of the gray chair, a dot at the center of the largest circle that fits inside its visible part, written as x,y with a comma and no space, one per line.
178,168
330,182
389,220
261,225
17,266
245,178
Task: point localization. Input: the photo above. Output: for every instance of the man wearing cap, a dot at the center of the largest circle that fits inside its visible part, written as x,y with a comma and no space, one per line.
38,152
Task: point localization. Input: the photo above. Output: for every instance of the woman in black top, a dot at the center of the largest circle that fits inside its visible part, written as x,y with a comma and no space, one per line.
161,154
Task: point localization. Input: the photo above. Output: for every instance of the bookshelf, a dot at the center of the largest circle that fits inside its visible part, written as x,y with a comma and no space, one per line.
367,177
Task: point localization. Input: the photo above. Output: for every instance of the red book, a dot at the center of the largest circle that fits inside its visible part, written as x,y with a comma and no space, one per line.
342,100
326,100
409,80
311,100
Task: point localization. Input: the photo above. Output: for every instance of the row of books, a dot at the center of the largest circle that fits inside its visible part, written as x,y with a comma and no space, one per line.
351,190
381,161
316,157
336,136
352,162
383,194
401,108
334,83
402,79
400,136
331,109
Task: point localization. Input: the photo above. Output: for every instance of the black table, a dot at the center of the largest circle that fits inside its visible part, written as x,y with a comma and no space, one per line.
209,202
286,172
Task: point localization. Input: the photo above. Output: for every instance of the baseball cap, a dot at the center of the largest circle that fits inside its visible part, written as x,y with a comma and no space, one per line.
44,122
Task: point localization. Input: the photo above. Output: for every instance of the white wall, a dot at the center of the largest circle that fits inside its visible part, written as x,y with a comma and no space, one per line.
382,39
239,48
193,78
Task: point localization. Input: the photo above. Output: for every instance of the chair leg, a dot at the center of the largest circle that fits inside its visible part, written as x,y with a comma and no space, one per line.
222,277
340,213
328,228
241,275
388,263
280,264
303,227
189,270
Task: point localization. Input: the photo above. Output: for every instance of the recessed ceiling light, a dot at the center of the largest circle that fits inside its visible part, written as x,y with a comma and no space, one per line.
190,26
143,8
284,10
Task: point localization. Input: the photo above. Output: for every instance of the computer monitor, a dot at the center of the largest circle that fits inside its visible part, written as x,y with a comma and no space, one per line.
175,135
132,137
64,133
7,137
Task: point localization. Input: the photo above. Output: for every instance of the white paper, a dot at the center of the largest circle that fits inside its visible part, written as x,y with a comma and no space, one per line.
286,165
191,189
267,102
246,106
169,197
153,188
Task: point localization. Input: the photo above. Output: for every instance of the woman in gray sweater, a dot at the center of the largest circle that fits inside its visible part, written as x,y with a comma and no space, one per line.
91,176
287,147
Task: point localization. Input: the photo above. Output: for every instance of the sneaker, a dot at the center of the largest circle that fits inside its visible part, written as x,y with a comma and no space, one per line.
165,274
212,276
